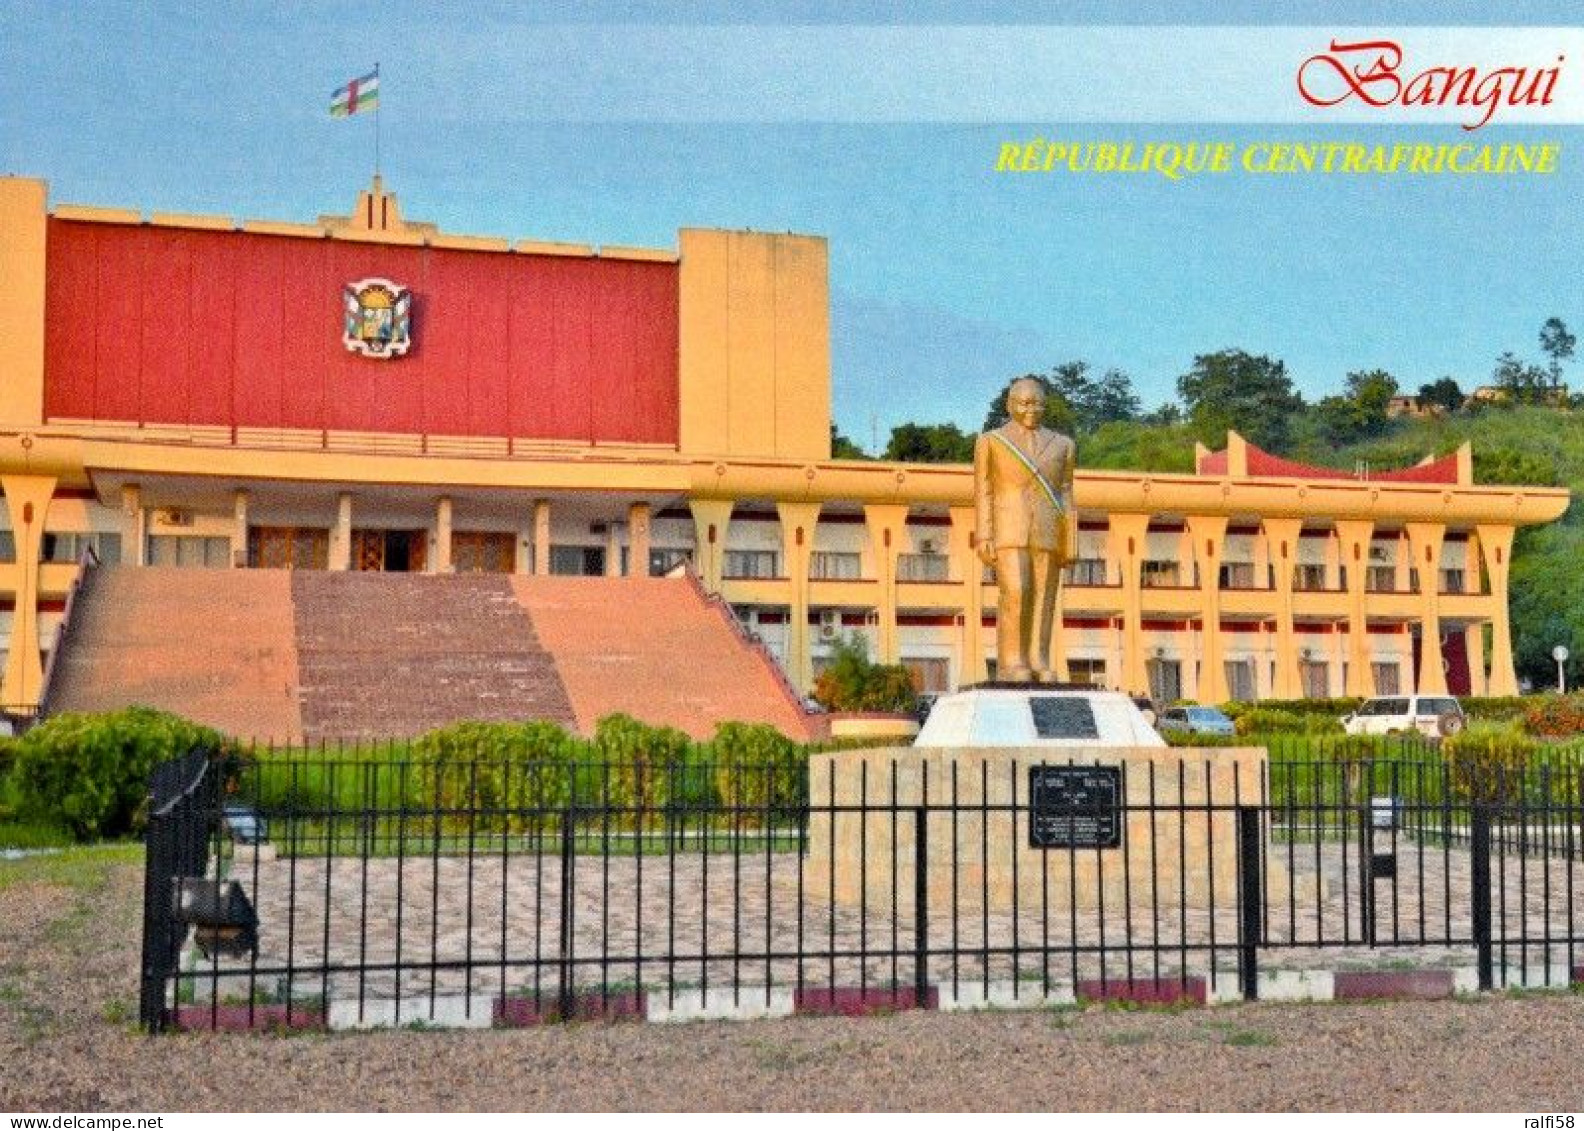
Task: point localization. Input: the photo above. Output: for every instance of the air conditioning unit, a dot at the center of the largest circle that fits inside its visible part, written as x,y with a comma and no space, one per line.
927,546
829,624
1377,553
173,516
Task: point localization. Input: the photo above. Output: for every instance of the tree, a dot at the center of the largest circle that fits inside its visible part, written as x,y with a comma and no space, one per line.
843,448
1095,401
929,443
1360,412
1234,390
1138,445
1557,344
852,682
1522,382
1444,392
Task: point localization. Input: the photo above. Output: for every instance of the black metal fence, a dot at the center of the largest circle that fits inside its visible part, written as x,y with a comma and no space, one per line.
346,893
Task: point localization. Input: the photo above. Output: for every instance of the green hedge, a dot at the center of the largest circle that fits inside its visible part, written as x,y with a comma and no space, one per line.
89,773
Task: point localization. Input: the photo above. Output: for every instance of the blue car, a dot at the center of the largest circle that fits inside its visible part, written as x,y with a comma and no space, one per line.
1195,720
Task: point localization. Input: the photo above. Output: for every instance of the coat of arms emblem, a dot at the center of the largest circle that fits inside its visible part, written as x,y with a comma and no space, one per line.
377,318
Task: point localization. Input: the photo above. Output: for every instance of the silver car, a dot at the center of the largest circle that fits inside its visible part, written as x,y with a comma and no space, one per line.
1195,720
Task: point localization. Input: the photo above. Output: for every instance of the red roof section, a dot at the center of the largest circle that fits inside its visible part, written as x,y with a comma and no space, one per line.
1263,465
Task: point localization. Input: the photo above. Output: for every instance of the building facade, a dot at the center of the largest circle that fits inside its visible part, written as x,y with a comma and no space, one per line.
201,392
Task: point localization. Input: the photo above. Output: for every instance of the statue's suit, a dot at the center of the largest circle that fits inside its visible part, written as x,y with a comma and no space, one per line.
1033,539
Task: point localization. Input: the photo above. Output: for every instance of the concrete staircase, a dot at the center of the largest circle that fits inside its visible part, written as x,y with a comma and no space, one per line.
657,649
303,656
219,647
387,655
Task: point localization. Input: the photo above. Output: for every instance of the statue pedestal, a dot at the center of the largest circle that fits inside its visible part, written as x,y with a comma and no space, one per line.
1032,831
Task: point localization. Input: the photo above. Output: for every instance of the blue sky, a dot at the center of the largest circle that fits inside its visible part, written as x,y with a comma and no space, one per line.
946,278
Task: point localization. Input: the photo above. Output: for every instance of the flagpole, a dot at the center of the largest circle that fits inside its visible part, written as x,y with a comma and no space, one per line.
377,123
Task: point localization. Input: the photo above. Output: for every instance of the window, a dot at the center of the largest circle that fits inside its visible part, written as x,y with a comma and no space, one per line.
1087,571
1090,672
1161,575
1452,581
747,564
577,561
1435,708
923,567
188,551
1240,680
1381,579
825,565
1385,675
1315,676
67,548
931,674
662,562
7,547
1165,680
1309,578
1237,575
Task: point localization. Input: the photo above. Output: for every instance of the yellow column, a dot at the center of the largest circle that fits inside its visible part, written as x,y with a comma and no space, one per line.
137,524
541,537
967,567
1474,644
1281,540
612,550
239,530
1424,547
1354,545
1125,546
28,500
22,258
711,517
442,554
1496,544
1208,535
638,540
1472,565
798,522
887,524
341,545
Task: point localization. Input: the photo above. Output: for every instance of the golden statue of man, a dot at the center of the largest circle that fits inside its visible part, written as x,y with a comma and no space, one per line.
1027,529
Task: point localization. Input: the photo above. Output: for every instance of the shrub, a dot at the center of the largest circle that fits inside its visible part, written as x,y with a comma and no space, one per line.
1187,739
89,773
1331,709
637,761
496,766
757,768
1554,716
1496,709
853,682
1490,763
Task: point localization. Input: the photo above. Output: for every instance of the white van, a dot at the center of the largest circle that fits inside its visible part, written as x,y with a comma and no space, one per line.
1438,716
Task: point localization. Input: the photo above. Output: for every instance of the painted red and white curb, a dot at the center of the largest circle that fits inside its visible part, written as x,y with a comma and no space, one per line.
756,1003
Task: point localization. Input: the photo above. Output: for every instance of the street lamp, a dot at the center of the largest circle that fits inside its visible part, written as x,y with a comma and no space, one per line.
1560,655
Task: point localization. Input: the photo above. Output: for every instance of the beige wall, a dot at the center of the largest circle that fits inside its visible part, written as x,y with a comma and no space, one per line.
22,231
754,366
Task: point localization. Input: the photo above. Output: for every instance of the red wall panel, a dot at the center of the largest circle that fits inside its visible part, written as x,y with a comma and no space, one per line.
165,325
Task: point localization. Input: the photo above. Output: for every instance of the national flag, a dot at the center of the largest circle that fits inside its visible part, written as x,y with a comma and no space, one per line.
356,96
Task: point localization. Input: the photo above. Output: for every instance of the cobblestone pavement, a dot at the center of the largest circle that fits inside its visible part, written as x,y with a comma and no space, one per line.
498,923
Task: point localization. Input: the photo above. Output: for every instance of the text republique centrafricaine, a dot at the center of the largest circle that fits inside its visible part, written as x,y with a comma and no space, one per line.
1366,76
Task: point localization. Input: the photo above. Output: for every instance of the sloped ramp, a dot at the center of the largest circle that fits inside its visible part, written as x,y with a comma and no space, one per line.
657,649
217,646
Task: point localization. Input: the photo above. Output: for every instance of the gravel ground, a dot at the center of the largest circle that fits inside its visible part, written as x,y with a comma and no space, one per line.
68,959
